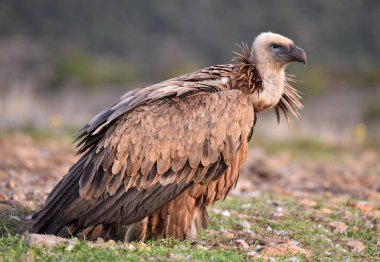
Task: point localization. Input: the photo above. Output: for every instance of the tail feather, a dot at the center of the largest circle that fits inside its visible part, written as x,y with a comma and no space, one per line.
51,219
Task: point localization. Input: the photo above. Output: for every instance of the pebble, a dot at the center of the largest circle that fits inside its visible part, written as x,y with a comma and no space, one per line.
29,204
355,246
11,184
245,206
369,224
227,234
3,197
226,213
244,224
240,243
252,253
259,248
280,232
293,259
18,196
307,202
338,227
4,207
278,213
38,240
248,231
16,218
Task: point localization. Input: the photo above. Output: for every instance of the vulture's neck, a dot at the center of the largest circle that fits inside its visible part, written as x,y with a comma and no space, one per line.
273,82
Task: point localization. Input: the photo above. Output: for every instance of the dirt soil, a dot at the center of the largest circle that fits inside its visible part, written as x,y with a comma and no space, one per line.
30,169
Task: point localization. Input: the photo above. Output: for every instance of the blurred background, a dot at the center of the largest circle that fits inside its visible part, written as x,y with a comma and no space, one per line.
61,62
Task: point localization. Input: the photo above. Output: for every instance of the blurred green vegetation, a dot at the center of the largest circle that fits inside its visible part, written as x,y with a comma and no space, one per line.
121,42
84,70
373,112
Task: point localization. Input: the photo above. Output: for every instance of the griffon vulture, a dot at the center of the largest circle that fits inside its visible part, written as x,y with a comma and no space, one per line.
156,159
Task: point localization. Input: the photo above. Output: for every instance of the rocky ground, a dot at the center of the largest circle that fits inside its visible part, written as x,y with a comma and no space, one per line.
295,201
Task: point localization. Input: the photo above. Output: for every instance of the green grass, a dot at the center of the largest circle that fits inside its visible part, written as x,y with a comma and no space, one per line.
13,221
300,225
13,248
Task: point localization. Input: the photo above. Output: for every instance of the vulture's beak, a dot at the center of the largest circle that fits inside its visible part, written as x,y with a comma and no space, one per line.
297,54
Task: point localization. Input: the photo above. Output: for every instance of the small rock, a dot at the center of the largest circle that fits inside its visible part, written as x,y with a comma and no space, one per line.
216,210
293,259
4,207
205,248
259,248
248,231
281,249
377,226
29,204
245,206
252,254
227,234
278,213
244,224
111,242
280,232
240,243
16,218
325,211
307,202
2,197
70,246
338,227
226,213
11,184
18,196
365,206
368,224
38,240
129,246
355,246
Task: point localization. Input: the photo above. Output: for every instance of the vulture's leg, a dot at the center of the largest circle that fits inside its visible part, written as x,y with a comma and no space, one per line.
92,233
137,231
103,231
199,221
181,218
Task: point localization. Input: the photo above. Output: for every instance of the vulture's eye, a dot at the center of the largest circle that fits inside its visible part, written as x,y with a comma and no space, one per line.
275,47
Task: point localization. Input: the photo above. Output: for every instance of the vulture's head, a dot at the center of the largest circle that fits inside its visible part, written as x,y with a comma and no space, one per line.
270,54
275,51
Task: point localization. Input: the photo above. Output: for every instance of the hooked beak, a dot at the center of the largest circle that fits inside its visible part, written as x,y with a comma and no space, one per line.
297,54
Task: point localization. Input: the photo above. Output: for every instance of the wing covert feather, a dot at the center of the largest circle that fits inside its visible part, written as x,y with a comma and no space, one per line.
158,150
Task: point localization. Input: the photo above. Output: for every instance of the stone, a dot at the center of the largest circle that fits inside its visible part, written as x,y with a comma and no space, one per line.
338,227
4,207
11,184
245,224
355,246
240,243
41,241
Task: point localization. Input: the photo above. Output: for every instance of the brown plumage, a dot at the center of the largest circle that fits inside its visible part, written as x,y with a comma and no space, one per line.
155,160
